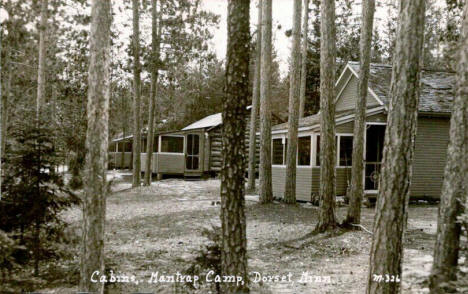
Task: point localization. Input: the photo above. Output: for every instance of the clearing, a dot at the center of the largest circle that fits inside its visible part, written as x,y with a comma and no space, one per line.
158,228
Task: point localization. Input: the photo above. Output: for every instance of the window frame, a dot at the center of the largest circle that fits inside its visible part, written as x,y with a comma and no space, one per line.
174,153
338,149
283,141
311,136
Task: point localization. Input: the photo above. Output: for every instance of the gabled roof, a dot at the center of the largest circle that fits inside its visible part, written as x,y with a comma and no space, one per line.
206,122
437,87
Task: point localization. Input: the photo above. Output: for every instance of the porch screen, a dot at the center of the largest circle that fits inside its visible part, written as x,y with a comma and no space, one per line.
346,150
303,151
277,151
172,144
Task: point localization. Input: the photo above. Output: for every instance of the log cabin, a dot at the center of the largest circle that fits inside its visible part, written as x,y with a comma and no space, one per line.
193,151
430,145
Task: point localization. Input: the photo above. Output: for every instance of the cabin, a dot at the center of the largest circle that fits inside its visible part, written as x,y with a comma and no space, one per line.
430,147
193,151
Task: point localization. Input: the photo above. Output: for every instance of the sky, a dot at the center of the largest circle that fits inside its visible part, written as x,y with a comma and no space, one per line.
282,12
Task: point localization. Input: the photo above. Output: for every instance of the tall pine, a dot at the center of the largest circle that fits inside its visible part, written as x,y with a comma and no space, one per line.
234,239
392,202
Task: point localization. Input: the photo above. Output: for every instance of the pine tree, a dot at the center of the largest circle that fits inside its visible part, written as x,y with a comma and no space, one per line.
392,202
42,57
136,96
327,117
234,251
305,26
293,117
266,190
255,104
357,189
155,48
447,246
94,201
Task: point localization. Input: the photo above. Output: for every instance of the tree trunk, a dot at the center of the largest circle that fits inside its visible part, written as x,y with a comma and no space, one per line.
255,104
327,117
391,211
357,189
266,191
154,90
234,250
37,246
136,151
293,114
94,201
446,248
42,57
305,23
1,110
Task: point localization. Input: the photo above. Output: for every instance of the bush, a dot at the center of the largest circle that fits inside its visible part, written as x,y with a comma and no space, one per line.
208,258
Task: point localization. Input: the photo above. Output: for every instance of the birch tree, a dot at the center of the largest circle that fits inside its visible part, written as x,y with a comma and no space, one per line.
136,96
357,189
266,191
155,48
94,201
293,114
255,103
392,202
234,239
305,24
447,246
42,57
327,218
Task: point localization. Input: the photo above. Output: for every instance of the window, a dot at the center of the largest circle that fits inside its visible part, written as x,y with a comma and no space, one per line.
111,147
303,151
317,154
125,146
277,151
143,145
346,150
172,144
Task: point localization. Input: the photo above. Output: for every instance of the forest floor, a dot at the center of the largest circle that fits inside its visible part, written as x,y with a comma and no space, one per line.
158,228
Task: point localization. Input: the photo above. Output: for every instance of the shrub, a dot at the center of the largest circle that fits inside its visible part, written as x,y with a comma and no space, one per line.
208,257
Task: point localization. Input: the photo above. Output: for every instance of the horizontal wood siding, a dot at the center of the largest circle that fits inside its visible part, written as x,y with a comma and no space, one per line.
345,128
430,156
278,176
171,163
154,162
307,181
348,97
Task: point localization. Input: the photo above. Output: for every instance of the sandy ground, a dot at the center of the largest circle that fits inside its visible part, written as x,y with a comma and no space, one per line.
158,228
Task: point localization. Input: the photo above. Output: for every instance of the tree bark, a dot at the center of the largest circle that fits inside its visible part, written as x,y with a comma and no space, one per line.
357,189
327,117
1,109
255,104
266,191
392,203
234,250
293,114
94,201
305,24
136,146
42,58
446,249
154,90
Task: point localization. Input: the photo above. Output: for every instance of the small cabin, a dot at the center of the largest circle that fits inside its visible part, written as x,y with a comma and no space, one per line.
431,142
193,151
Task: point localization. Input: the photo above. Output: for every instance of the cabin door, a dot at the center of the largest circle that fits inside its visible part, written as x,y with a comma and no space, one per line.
192,161
374,152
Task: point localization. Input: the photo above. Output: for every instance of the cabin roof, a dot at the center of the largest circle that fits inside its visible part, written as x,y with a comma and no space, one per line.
311,120
437,87
206,122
